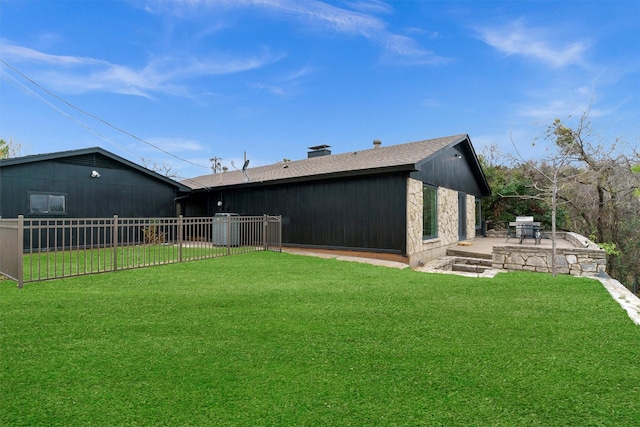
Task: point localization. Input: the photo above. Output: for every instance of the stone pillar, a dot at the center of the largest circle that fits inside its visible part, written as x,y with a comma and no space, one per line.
414,216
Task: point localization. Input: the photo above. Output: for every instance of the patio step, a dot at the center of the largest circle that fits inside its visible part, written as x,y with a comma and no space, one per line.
468,254
471,265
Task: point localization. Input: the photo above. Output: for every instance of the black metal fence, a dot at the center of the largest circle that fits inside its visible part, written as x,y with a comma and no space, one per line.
35,249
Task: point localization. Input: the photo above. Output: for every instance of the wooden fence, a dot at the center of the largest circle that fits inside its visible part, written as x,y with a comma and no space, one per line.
35,249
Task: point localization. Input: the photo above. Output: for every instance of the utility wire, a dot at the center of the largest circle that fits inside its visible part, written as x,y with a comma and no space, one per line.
69,116
98,134
95,117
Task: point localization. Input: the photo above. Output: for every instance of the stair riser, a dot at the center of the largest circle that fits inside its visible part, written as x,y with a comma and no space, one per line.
466,254
468,268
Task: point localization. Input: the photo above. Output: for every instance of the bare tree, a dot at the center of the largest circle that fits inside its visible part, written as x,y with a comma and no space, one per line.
597,184
163,169
550,175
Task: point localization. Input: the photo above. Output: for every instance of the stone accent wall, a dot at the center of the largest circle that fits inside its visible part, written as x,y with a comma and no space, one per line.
414,216
471,216
587,259
420,251
447,215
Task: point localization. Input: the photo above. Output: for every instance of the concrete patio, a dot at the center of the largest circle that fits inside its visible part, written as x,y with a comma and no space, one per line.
484,245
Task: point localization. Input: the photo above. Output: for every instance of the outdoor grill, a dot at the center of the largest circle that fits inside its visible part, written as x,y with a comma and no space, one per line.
524,227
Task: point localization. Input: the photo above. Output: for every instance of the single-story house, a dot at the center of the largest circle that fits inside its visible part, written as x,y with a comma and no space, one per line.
413,199
85,183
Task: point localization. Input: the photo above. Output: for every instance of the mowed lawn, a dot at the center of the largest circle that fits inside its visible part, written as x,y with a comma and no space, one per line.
274,339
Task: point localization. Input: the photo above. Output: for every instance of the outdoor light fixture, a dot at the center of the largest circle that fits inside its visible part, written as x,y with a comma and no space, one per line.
219,203
95,174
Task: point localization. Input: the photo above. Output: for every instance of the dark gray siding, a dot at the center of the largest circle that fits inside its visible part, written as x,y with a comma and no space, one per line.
451,168
120,189
359,213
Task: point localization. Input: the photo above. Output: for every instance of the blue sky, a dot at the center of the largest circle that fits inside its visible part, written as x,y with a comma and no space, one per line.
201,79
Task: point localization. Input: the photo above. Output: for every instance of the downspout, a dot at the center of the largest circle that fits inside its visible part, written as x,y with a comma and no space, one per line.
175,204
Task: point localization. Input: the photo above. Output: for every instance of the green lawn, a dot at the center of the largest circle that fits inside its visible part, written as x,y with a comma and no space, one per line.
277,339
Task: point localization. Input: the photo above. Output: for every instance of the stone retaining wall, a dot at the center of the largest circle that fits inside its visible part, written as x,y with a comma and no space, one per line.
584,259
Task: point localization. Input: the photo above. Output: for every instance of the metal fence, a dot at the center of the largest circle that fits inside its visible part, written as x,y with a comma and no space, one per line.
35,249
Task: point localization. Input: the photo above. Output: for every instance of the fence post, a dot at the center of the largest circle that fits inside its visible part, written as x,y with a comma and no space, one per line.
20,251
228,233
114,241
279,232
180,238
265,232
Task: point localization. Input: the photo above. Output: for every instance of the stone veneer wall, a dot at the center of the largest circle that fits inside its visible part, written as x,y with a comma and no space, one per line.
471,216
414,216
584,259
419,250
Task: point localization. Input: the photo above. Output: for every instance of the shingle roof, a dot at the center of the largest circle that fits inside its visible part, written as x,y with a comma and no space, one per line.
358,162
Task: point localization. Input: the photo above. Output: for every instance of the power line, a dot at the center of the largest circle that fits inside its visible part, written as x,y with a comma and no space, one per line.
95,117
87,127
70,117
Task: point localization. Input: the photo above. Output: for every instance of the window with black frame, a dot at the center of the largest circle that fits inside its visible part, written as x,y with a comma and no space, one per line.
429,212
51,204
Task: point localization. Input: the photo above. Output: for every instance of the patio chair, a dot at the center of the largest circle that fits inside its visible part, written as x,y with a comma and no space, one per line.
511,231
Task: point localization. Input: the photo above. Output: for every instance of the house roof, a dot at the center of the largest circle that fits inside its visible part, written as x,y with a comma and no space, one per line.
66,155
401,157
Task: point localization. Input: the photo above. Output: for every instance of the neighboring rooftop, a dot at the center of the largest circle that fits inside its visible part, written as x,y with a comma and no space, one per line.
94,157
377,158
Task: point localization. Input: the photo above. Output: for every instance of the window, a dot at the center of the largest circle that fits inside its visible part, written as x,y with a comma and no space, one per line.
429,212
47,203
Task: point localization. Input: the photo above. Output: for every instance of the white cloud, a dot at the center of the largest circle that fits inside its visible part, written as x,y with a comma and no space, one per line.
408,51
302,72
70,74
316,12
176,144
276,90
562,109
359,21
536,43
285,85
431,103
432,35
21,53
370,6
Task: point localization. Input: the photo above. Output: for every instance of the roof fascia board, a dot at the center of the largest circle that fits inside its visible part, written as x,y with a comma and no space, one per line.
320,177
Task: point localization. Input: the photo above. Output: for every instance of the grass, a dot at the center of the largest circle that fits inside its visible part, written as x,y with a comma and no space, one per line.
278,339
